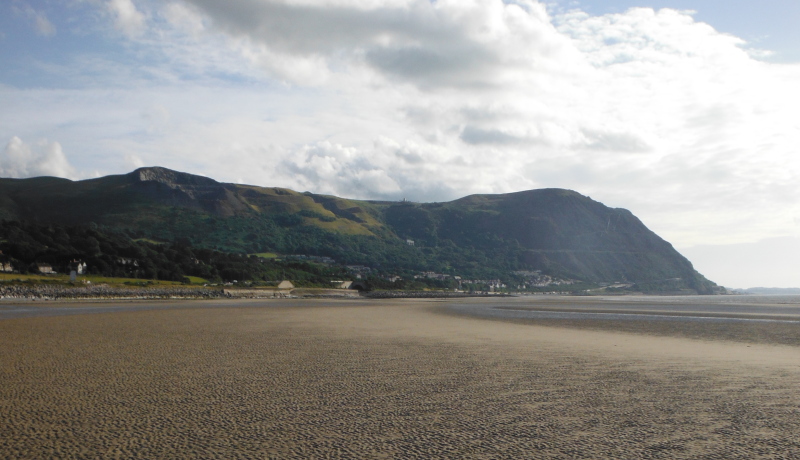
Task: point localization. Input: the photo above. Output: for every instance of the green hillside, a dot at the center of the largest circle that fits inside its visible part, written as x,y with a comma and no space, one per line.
558,232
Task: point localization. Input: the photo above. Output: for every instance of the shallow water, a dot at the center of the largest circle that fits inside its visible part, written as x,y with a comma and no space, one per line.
639,308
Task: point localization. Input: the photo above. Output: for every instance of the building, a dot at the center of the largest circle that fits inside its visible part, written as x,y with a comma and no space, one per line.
45,269
135,263
78,266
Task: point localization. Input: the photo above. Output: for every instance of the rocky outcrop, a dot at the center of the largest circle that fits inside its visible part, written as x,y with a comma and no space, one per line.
179,189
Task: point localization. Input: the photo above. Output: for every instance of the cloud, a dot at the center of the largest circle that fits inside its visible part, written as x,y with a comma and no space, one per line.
429,44
332,168
476,136
614,142
43,158
184,17
41,24
645,109
127,18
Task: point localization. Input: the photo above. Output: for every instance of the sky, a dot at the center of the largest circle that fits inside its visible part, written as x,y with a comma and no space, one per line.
687,113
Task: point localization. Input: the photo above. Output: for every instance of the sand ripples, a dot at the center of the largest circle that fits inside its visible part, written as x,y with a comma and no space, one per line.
283,383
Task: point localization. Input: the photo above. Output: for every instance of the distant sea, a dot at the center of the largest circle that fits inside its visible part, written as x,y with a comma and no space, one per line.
721,308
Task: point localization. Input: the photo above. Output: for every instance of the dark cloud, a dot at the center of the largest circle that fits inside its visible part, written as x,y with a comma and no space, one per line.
320,29
414,43
478,136
468,66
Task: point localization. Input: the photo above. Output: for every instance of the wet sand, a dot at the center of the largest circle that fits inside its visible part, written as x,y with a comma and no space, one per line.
398,379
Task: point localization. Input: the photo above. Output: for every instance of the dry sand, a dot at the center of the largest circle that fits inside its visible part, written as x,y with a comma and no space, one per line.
382,380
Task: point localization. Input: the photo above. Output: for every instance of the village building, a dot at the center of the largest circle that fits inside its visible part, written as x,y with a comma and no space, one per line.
135,263
78,266
359,271
45,269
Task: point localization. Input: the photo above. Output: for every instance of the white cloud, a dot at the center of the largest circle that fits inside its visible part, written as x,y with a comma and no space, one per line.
134,161
42,158
185,18
645,109
446,43
331,168
127,18
41,24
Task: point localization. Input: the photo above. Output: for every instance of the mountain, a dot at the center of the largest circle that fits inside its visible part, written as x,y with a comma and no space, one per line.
556,232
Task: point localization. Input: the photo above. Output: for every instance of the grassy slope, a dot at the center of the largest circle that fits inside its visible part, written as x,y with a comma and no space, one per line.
557,231
94,279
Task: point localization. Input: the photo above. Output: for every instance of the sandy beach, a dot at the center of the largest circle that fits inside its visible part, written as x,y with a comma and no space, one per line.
388,379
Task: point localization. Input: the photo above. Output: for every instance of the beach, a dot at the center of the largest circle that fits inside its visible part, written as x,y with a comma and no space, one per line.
389,379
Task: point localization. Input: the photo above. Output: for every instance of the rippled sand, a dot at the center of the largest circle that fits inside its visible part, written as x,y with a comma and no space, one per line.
385,380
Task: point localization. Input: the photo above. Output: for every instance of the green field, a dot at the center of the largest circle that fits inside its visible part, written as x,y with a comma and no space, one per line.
94,279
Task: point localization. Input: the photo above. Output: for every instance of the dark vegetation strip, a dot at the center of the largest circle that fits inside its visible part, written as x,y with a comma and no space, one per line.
113,254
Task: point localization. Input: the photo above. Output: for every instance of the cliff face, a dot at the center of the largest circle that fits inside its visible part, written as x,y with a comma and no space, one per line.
553,230
174,188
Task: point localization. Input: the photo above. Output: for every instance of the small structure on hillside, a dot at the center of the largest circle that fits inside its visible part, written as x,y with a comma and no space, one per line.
5,263
132,262
78,266
285,285
45,269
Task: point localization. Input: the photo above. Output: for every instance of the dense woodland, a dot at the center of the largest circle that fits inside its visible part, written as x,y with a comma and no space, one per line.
108,253
285,233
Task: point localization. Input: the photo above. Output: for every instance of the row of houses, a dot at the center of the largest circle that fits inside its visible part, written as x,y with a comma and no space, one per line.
436,276
536,279
493,284
79,267
359,271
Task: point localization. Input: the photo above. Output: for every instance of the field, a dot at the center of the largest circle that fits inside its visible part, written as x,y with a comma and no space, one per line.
94,279
394,379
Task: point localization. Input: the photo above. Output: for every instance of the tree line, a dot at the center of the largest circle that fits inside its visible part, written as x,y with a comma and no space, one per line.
110,253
